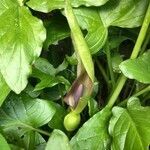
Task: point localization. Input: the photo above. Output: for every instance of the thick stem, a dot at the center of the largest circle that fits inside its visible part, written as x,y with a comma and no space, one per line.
114,96
134,54
147,39
142,34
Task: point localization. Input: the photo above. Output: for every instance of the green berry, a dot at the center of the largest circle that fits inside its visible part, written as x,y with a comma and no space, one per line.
71,121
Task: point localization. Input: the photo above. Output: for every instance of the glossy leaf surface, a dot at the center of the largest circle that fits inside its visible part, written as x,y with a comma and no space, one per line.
130,128
21,38
93,134
138,68
58,140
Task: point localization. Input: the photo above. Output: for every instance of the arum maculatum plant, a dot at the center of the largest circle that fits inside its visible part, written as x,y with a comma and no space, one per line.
81,89
74,74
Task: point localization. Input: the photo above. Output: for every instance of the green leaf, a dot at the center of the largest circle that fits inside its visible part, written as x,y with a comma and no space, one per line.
62,66
54,93
47,74
77,3
89,19
30,91
116,40
44,66
93,107
72,60
24,139
47,6
3,144
21,38
93,134
58,141
57,29
120,13
25,112
48,80
129,13
138,68
14,147
4,89
116,61
57,121
130,128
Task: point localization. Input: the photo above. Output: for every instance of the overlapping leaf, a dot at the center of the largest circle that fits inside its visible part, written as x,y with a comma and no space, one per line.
58,140
138,68
89,19
3,144
57,29
21,38
77,3
47,74
22,139
130,128
25,112
4,89
49,5
120,13
93,134
129,13
57,121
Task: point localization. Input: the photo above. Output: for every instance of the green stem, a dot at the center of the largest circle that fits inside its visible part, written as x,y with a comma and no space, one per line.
100,67
114,96
41,131
110,64
147,39
36,129
134,54
22,125
142,34
147,89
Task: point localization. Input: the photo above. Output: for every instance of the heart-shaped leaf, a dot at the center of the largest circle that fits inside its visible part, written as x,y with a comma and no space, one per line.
130,128
21,38
138,68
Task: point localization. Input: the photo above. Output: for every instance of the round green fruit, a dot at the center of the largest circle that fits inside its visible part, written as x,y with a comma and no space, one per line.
71,121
